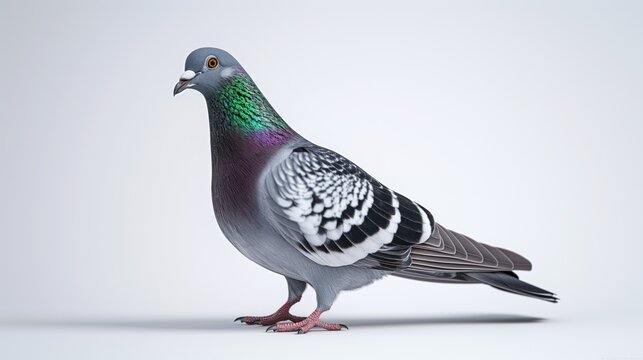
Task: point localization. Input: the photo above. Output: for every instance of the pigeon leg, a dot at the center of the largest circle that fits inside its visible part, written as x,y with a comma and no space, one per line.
295,290
282,314
305,325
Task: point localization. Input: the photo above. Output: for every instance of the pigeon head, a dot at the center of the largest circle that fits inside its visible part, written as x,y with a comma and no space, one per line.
205,69
236,107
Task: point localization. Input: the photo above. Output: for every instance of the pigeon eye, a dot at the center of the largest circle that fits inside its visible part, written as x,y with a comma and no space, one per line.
212,62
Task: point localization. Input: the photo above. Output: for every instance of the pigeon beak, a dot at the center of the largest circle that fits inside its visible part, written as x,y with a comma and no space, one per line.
185,81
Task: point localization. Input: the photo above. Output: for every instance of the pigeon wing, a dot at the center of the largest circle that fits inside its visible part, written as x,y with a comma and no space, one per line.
336,214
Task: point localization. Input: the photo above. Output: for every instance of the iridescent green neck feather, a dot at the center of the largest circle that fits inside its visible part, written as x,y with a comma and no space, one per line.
238,108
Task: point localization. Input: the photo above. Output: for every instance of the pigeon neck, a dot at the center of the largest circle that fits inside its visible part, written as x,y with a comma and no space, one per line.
240,114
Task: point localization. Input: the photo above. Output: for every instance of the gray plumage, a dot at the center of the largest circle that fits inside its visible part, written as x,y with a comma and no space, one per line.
313,216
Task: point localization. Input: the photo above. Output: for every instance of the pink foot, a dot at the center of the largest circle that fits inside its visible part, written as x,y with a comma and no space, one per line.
282,314
306,324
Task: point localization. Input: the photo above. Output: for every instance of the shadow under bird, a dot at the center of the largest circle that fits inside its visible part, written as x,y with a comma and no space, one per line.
316,218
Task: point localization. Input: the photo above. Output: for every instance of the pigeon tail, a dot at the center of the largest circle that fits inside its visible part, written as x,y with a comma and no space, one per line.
509,281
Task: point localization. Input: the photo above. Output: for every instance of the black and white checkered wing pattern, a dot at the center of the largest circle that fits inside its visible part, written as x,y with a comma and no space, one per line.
337,215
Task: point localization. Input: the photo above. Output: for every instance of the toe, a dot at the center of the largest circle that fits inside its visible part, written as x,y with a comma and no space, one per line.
272,328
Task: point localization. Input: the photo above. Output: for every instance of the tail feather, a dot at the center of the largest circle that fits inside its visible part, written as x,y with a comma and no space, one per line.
509,282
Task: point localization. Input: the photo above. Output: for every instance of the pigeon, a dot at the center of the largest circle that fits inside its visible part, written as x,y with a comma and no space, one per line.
311,215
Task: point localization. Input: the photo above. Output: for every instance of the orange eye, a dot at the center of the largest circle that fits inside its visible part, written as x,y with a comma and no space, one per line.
212,62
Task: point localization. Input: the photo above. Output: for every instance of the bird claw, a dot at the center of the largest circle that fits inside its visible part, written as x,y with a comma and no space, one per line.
300,327
304,326
248,320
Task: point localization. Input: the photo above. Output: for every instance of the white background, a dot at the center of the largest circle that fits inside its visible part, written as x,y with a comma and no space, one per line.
517,123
